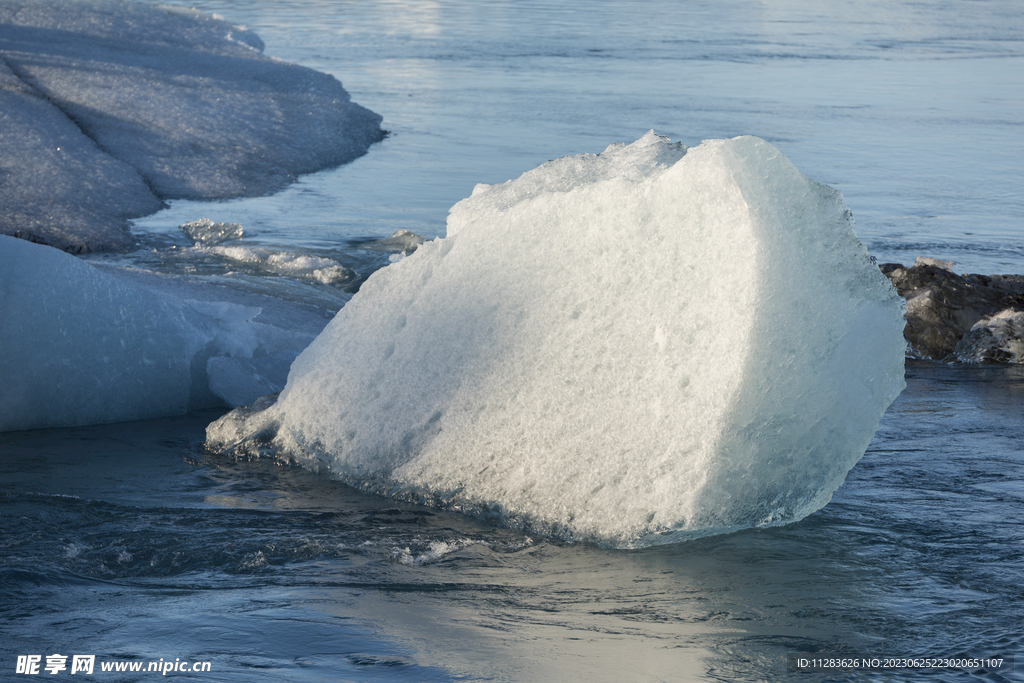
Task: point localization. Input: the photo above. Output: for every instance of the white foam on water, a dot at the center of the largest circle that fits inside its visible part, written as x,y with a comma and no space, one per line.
291,264
637,347
435,551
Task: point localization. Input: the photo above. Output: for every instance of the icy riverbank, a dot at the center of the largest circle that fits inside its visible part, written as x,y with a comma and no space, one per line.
107,108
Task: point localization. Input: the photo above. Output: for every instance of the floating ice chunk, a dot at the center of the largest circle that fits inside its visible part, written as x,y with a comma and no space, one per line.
79,345
637,347
400,240
184,100
318,267
938,263
332,274
291,264
205,231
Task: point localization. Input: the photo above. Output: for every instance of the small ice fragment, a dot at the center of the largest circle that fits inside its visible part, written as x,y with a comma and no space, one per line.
400,240
938,263
205,231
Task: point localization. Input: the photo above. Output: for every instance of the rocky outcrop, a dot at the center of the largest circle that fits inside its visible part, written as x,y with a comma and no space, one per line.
943,307
998,339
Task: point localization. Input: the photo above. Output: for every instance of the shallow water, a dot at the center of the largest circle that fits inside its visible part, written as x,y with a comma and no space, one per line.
913,110
130,541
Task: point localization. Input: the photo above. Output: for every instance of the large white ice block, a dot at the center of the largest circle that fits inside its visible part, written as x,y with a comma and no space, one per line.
80,345
637,347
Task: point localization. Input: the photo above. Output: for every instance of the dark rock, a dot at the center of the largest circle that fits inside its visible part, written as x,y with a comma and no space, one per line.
943,306
998,339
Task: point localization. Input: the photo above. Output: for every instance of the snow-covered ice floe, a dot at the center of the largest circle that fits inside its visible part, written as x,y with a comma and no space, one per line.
642,346
109,107
81,345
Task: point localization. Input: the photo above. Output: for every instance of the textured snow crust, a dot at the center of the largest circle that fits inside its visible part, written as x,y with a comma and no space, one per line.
164,103
56,186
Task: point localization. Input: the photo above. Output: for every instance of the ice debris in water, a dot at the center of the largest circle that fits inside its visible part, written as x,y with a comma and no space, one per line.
290,264
437,550
643,346
209,237
205,231
80,345
938,263
400,240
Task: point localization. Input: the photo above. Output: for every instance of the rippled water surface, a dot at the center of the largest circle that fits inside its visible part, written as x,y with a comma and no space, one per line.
914,110
130,541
